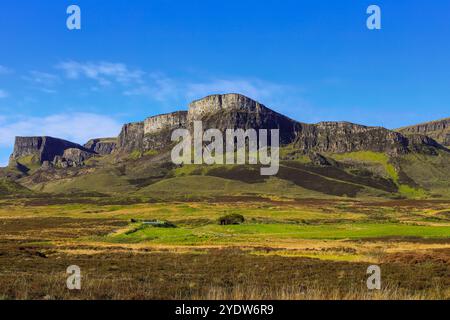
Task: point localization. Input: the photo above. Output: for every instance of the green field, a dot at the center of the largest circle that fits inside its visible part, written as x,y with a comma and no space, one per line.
262,233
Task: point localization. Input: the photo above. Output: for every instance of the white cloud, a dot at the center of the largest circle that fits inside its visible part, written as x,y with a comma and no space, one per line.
3,94
105,73
76,127
164,89
159,87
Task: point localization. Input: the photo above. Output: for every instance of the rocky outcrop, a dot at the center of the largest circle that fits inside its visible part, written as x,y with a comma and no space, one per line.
41,148
423,144
438,130
72,158
101,146
158,129
342,137
131,138
199,109
319,160
169,121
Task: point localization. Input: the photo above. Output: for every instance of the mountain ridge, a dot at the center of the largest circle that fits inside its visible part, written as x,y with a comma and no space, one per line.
341,159
436,129
229,111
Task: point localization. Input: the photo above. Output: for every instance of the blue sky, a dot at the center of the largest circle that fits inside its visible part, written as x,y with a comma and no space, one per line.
313,60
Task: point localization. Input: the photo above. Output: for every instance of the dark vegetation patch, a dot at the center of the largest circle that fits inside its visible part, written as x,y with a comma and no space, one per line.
406,239
441,256
246,198
231,219
61,200
315,182
145,182
241,173
370,181
355,175
47,224
45,228
407,203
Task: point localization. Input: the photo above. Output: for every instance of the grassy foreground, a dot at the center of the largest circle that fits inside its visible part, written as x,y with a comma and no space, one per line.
295,249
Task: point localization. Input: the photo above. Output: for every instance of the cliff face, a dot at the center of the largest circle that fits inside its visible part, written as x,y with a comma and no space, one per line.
131,137
158,129
101,146
342,137
42,148
168,121
234,111
438,130
226,102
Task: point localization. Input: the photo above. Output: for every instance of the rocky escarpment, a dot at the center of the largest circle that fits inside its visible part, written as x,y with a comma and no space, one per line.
41,148
131,137
438,130
158,129
342,137
152,133
231,111
235,111
101,146
212,104
169,121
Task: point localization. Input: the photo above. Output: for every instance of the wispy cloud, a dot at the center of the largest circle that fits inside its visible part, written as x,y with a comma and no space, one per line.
165,89
5,70
105,73
3,94
42,78
156,86
254,88
45,82
77,127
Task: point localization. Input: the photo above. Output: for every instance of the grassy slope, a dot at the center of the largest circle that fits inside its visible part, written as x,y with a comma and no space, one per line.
192,186
8,187
296,179
370,158
431,172
103,181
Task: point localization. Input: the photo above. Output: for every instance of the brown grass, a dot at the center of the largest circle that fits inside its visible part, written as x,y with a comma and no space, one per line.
39,273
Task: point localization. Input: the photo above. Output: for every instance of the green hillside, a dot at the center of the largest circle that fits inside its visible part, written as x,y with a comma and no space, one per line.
8,187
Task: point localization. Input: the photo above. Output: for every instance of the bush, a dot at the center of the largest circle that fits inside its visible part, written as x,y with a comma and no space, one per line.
231,219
